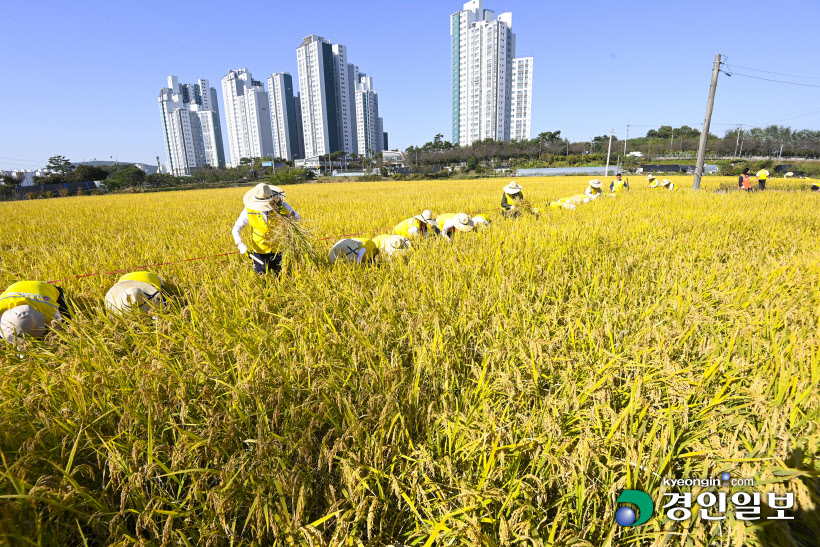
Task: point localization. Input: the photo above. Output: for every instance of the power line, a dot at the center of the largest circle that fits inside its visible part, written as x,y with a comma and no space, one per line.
777,73
770,79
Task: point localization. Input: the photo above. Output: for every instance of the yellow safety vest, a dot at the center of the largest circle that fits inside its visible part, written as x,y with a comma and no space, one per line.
403,227
260,240
39,295
618,185
371,249
146,277
763,174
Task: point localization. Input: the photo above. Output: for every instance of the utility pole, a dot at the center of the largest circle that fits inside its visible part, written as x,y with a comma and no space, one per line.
608,152
159,167
704,135
737,143
626,140
781,152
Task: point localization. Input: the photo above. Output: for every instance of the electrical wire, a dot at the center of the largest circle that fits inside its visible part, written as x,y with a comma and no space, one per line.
770,79
776,73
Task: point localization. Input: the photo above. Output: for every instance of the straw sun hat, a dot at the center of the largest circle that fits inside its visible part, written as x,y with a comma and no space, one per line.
261,197
126,296
595,183
393,244
20,321
463,222
345,250
513,188
666,182
426,217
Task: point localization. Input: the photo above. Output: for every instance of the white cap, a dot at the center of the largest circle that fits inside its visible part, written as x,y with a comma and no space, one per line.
21,321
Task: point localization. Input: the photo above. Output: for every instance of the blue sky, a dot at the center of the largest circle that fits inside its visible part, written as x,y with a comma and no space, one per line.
81,79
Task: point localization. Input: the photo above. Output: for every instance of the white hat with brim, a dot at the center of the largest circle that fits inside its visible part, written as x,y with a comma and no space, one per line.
345,250
650,177
426,216
22,321
261,196
595,183
463,222
513,188
394,244
666,182
480,220
128,296
789,175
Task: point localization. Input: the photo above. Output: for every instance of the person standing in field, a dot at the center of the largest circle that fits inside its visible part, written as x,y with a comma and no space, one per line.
513,193
260,202
762,178
653,182
136,291
618,184
417,226
594,189
450,223
744,182
30,308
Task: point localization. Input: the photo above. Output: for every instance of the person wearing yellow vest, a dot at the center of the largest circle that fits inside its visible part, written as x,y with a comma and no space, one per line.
570,203
29,308
618,184
450,223
391,244
420,225
480,223
667,184
513,193
653,182
594,191
260,202
762,177
353,250
136,291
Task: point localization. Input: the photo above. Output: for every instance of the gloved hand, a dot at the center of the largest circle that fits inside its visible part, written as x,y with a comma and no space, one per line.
243,249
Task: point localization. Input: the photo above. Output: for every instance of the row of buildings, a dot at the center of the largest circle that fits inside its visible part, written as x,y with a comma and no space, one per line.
335,110
492,88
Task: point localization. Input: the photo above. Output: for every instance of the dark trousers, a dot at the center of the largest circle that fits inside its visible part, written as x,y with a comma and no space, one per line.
762,184
263,264
62,305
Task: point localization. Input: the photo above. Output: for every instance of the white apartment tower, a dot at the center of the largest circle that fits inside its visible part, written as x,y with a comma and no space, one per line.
190,124
482,57
521,105
283,116
247,111
368,123
317,87
345,87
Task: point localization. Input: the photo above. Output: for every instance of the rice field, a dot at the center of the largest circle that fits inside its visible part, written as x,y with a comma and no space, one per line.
499,390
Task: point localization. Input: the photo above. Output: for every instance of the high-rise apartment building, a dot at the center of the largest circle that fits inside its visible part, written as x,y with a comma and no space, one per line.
368,123
345,102
300,136
283,116
317,86
247,112
482,58
190,124
521,104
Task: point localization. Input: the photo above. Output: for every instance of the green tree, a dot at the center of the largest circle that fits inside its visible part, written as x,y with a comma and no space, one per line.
86,173
60,164
128,177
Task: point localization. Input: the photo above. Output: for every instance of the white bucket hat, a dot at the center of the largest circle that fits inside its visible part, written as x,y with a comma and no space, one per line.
595,183
261,196
480,221
666,182
650,176
426,216
128,296
788,175
463,222
22,321
394,244
513,188
345,250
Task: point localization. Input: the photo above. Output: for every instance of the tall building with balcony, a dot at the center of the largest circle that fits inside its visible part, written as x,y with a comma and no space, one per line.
317,87
521,103
482,60
369,128
283,116
191,127
248,117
